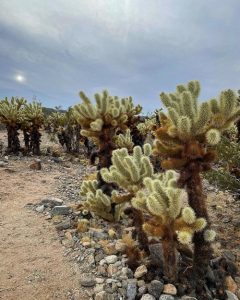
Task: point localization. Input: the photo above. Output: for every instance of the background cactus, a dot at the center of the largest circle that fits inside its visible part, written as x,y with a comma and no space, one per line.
33,114
11,115
186,140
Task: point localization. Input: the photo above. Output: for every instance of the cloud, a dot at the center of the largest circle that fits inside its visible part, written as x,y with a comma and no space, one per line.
131,47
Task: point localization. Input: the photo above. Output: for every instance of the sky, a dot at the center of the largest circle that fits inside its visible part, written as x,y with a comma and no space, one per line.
50,50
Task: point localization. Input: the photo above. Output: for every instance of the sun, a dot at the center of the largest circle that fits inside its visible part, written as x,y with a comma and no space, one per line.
20,78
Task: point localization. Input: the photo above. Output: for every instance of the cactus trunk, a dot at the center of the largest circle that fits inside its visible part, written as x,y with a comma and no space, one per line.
35,140
13,140
202,249
169,253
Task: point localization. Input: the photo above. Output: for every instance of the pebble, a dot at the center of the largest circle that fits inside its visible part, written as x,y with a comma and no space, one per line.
111,259
230,284
231,296
148,297
169,289
140,271
131,289
101,296
52,201
61,210
166,297
112,270
155,288
87,280
188,298
66,224
40,208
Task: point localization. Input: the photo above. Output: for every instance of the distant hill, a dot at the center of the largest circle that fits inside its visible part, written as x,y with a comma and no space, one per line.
48,111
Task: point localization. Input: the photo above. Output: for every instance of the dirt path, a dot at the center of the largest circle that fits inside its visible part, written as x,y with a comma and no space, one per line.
32,265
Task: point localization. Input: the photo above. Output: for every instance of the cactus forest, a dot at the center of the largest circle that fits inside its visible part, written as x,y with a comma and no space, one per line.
146,173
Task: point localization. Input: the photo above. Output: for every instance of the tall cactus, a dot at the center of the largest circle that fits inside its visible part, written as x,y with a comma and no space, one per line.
34,115
101,122
186,141
11,115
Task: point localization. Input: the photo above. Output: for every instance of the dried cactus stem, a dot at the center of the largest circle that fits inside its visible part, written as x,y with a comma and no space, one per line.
169,253
138,220
202,249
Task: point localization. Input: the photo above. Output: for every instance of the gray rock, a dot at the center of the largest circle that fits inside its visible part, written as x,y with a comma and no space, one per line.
3,164
188,298
142,290
166,297
87,280
229,255
231,296
40,208
155,288
131,289
61,210
52,201
111,259
148,297
156,254
66,224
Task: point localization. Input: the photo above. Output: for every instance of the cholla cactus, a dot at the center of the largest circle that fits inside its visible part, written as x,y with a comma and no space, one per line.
128,171
98,202
124,141
33,114
147,126
186,141
101,122
11,115
170,221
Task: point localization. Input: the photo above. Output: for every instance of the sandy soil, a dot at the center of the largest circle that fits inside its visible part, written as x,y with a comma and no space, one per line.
32,262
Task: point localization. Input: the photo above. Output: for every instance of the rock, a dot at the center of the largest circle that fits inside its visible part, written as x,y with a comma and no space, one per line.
188,298
3,164
230,284
111,259
112,233
60,210
166,297
87,280
155,288
120,246
141,283
101,296
66,224
97,233
147,297
36,165
131,289
231,296
40,208
169,289
156,254
238,293
140,271
237,279
112,270
52,201
142,290
229,255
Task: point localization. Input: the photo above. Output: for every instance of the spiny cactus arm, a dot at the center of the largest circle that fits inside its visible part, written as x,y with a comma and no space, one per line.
155,229
124,140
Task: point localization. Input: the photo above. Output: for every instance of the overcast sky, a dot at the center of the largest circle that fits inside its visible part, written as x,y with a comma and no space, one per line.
52,49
